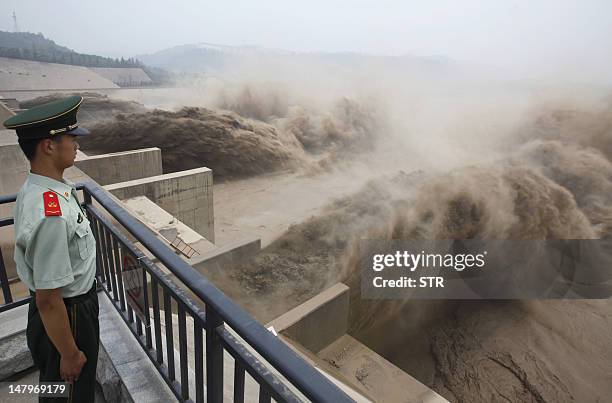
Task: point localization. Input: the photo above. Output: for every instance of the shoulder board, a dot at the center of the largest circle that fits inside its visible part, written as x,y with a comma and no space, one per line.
52,204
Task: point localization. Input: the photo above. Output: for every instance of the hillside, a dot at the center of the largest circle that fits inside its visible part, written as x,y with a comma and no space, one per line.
29,46
36,47
28,40
213,58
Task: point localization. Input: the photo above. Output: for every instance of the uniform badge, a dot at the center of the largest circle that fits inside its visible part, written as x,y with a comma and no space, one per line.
52,205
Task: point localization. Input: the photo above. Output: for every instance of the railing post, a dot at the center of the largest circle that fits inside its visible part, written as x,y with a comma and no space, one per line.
6,289
214,357
87,201
86,197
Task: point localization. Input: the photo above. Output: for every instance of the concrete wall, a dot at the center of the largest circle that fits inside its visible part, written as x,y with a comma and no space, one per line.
18,74
122,166
5,112
124,77
227,257
14,168
318,322
11,103
187,195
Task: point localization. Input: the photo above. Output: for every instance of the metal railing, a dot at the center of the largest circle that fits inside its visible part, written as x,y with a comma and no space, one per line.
4,281
142,293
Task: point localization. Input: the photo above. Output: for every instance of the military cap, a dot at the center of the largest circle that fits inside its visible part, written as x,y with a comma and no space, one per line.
47,120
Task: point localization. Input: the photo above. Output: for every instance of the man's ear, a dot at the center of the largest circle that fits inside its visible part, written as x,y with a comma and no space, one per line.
46,146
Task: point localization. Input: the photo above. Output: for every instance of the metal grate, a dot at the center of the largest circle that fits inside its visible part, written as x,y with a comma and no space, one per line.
181,246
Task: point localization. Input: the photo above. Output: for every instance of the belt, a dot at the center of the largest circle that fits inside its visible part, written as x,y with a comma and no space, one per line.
77,298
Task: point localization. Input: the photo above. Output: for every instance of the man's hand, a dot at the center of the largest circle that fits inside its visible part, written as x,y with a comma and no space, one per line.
71,365
55,319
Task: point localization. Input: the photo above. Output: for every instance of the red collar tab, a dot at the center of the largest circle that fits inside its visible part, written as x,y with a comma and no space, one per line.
52,204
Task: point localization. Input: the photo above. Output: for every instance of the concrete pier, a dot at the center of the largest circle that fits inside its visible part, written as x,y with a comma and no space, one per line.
123,166
187,195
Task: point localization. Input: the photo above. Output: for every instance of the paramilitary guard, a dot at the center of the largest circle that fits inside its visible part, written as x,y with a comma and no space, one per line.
55,251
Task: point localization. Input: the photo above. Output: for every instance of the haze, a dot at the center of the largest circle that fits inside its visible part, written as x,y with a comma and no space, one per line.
568,40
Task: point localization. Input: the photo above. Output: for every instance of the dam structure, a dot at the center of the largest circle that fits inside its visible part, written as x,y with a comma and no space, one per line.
167,333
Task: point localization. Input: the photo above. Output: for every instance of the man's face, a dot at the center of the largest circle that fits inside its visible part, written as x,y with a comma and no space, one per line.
65,150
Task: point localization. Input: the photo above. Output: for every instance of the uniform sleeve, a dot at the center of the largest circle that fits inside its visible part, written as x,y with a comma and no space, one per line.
48,254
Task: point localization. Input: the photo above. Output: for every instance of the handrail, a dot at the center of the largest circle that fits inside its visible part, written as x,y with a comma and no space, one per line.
296,370
8,199
9,303
306,378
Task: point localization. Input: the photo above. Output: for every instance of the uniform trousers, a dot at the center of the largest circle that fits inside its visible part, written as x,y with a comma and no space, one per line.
83,313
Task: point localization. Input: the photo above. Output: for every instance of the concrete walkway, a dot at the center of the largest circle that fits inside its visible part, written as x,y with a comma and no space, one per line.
30,377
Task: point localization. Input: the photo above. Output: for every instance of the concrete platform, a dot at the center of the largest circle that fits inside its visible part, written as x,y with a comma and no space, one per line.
377,376
168,226
317,329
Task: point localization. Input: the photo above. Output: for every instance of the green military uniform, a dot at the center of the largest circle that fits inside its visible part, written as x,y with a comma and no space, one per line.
53,251
55,248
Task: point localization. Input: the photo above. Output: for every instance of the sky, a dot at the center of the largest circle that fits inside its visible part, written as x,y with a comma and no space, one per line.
553,36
